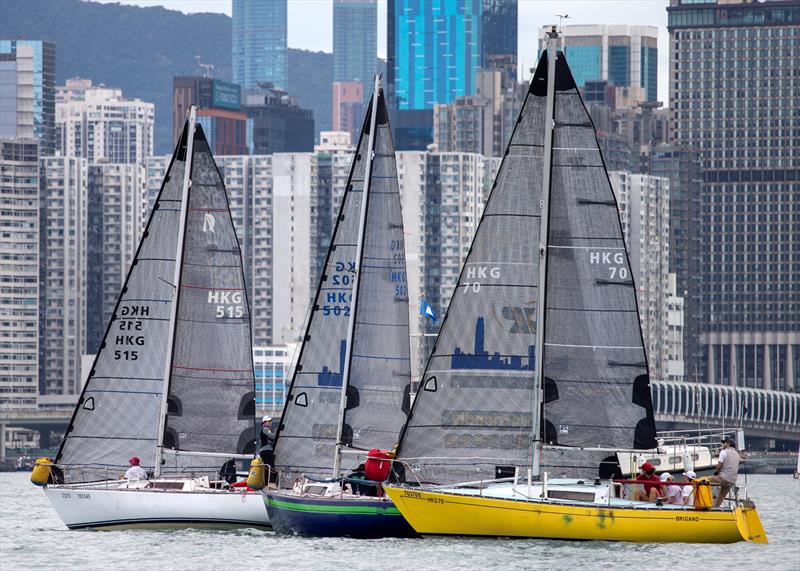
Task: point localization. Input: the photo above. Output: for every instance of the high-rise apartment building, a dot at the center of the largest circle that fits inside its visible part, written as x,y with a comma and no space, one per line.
355,40
434,51
259,43
644,213
220,112
733,94
19,273
62,273
276,123
105,127
27,91
499,38
295,242
626,56
480,123
116,210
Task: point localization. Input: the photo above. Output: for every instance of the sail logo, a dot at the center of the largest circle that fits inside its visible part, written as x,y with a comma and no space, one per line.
209,222
614,261
479,273
228,303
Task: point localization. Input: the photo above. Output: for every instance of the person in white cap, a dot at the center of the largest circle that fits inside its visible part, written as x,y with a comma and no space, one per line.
674,494
688,491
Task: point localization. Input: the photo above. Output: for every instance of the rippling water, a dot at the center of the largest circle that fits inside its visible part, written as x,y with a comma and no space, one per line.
32,536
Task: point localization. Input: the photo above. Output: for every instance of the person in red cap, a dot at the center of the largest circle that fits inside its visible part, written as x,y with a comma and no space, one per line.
651,483
135,472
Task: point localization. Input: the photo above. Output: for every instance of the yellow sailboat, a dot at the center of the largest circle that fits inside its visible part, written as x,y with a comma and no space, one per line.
434,512
540,365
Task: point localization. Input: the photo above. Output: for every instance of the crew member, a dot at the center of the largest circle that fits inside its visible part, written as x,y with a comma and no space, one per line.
651,483
727,469
135,472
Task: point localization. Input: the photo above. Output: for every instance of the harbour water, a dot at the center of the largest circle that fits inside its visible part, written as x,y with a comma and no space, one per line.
33,537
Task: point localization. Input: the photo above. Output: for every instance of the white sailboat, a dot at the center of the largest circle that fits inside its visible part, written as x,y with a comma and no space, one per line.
173,381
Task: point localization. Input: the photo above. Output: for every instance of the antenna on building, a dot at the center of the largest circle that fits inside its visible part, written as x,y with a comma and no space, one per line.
561,18
208,68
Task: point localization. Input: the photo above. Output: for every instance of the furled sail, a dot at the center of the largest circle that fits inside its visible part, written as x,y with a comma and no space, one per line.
379,375
117,415
472,412
211,397
597,389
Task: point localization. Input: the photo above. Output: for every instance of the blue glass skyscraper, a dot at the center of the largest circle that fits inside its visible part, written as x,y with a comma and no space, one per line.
259,42
434,50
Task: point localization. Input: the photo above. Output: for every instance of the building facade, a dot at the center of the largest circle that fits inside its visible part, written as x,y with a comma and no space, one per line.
19,273
272,365
348,107
27,91
117,206
220,114
62,273
499,38
355,40
276,123
105,127
626,56
434,51
644,213
733,95
259,43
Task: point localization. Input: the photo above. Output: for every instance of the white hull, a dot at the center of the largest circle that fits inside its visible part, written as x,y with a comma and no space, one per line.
113,507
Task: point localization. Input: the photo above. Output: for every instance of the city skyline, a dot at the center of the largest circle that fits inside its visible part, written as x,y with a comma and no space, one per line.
310,32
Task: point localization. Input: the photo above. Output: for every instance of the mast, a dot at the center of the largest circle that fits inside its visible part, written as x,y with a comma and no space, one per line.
187,182
538,396
362,226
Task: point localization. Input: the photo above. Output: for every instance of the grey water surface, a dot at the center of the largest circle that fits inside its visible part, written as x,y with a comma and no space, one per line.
33,537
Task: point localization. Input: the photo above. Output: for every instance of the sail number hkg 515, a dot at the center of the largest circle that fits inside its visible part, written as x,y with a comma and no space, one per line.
228,303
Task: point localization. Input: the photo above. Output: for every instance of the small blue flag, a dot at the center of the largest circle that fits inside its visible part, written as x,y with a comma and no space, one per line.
426,310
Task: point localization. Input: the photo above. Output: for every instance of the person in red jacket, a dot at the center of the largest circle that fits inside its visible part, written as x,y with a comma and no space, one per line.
650,482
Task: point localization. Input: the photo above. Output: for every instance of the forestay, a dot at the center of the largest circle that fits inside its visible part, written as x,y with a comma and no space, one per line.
211,400
118,412
379,376
472,413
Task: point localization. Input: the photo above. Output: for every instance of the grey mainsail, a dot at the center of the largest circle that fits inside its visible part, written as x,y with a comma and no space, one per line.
211,397
473,415
472,412
597,389
379,364
118,412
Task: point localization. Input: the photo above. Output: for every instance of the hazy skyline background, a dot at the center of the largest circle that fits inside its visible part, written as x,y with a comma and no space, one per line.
311,23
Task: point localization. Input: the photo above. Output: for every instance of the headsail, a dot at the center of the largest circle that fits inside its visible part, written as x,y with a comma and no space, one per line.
211,397
118,412
597,389
379,360
472,412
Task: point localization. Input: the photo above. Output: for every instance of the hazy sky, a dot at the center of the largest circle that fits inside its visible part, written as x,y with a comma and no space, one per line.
310,22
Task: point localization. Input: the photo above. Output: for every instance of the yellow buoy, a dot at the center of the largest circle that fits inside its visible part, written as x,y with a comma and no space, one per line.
703,498
256,477
40,475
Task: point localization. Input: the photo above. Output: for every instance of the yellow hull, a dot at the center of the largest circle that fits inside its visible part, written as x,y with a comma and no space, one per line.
441,513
